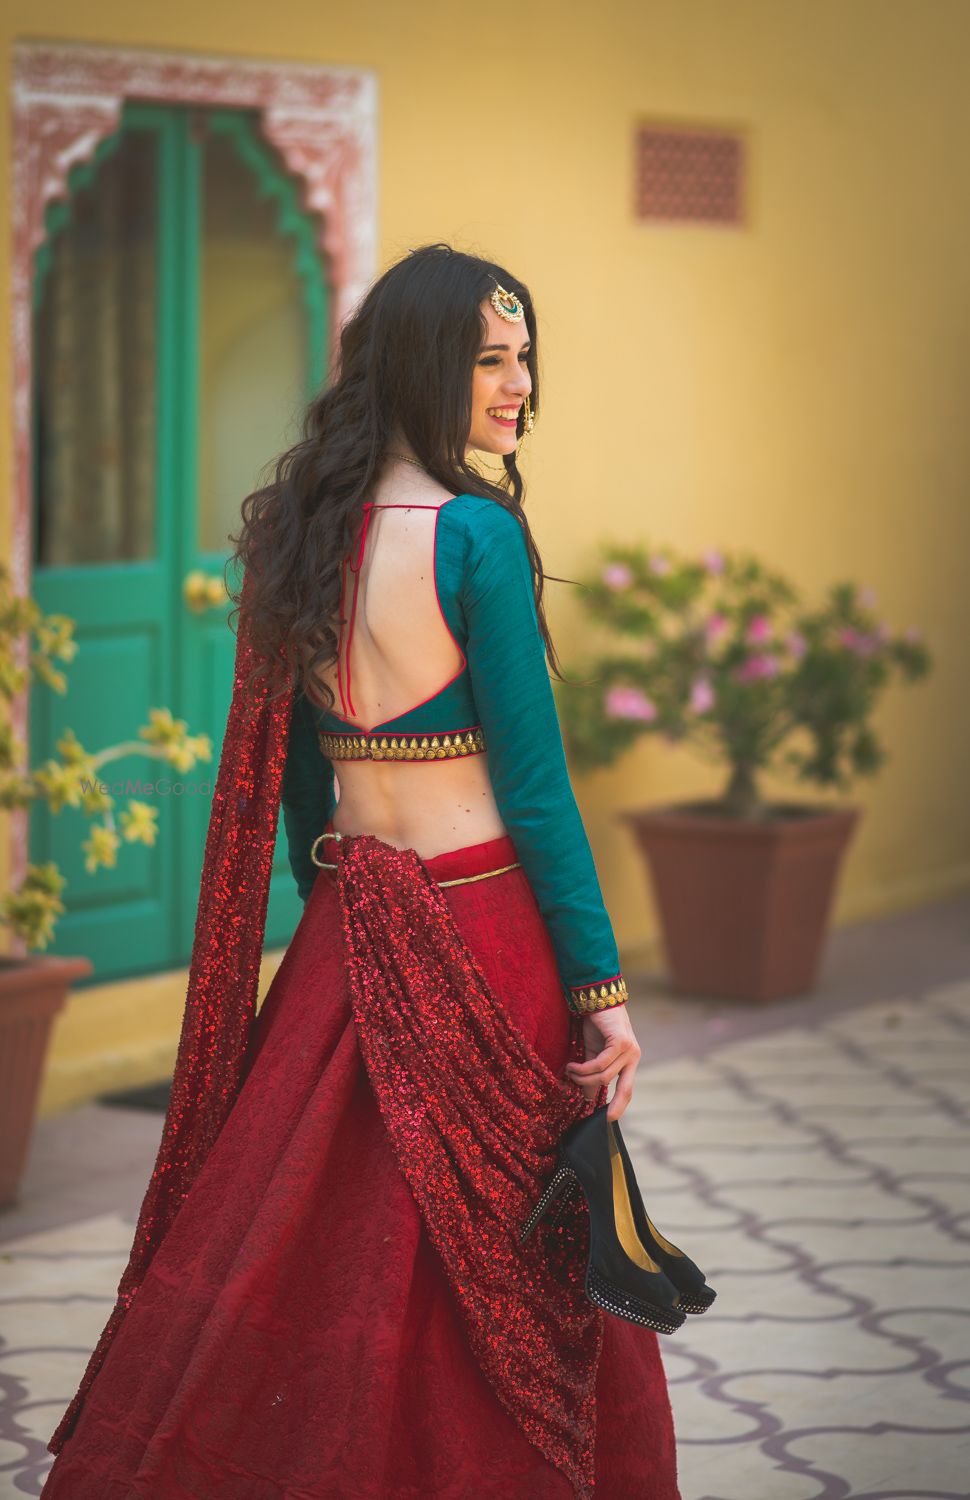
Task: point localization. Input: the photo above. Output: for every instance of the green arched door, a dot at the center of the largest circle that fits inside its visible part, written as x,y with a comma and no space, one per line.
180,322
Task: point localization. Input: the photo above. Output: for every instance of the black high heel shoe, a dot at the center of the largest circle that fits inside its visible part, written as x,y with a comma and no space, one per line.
695,1294
621,1275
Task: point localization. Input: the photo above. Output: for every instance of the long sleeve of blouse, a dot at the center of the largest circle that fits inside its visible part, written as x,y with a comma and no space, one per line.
526,759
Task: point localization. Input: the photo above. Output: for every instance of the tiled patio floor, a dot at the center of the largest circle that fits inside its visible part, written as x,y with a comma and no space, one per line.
812,1156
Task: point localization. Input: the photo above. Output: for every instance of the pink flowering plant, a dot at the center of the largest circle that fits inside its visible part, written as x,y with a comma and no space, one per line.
719,651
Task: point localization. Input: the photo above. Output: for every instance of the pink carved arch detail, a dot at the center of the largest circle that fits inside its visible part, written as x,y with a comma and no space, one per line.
67,99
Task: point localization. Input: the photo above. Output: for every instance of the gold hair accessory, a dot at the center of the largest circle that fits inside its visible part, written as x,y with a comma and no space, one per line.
507,305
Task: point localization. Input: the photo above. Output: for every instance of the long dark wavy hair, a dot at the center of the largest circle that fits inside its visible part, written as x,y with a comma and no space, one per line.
406,359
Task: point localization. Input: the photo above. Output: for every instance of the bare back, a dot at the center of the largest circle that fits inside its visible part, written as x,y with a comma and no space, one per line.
396,652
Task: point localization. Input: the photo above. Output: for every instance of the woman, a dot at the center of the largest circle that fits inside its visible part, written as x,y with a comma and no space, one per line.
327,1296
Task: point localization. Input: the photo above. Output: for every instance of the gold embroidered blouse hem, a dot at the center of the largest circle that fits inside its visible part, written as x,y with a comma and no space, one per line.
361,746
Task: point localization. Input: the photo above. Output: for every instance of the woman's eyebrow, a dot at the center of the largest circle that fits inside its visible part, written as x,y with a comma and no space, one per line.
526,345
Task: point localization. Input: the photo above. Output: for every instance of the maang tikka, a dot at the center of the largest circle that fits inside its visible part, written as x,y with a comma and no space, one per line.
508,306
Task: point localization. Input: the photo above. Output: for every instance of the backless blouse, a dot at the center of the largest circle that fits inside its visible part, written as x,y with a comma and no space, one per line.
499,703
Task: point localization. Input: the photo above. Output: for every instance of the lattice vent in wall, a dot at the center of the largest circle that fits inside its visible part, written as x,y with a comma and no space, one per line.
690,174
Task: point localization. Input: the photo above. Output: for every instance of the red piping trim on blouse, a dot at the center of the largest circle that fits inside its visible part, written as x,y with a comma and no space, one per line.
592,983
369,506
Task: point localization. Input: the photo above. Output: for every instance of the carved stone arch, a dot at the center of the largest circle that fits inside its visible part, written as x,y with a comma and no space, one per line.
68,98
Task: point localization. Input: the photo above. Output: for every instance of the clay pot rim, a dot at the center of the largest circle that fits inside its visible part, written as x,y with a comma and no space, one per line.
712,817
715,812
40,971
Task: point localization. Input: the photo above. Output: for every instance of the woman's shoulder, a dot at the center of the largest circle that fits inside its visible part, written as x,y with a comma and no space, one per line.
483,552
484,520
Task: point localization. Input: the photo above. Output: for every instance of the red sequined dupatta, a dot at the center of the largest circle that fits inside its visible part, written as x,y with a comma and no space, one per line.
223,981
474,1115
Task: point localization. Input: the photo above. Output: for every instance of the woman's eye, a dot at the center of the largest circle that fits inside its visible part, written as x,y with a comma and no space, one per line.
493,359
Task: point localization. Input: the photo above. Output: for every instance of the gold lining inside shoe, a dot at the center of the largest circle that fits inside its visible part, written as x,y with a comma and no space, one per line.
623,1213
662,1241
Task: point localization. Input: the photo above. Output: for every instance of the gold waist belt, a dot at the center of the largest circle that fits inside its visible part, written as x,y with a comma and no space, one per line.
401,746
460,880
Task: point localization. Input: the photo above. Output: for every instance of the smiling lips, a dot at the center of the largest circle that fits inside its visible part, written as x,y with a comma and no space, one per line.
506,416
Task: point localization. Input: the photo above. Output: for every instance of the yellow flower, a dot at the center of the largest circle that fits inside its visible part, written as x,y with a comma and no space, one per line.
72,751
139,823
163,729
59,785
101,848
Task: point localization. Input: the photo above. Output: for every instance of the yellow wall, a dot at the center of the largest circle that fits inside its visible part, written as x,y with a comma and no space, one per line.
798,387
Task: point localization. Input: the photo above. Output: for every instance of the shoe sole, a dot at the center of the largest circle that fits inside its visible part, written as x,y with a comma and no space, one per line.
633,1309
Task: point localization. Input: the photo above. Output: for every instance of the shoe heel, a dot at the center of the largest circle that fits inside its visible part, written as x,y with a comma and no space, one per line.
562,1178
572,1194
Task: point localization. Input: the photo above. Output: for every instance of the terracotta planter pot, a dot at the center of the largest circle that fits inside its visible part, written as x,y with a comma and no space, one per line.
744,904
32,991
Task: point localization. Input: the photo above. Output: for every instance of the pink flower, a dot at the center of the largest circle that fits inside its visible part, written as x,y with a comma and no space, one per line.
759,630
867,597
713,560
758,666
796,643
701,695
659,565
856,641
913,634
715,627
883,633
617,576
629,703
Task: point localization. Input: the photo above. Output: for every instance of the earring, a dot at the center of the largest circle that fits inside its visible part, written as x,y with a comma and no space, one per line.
529,420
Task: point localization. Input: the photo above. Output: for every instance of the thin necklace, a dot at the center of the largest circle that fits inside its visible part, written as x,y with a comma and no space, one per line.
416,461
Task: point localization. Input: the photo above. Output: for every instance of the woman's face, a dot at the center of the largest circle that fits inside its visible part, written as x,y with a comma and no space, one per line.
500,383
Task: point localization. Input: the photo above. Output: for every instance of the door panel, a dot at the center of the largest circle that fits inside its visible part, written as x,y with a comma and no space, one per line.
96,316
179,325
102,530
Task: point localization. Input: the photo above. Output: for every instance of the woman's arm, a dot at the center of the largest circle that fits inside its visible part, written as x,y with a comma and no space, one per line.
526,758
308,796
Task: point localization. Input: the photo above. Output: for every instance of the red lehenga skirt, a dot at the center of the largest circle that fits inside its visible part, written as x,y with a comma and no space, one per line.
339,1310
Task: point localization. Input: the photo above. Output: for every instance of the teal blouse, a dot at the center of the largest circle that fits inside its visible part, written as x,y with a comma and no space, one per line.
485,593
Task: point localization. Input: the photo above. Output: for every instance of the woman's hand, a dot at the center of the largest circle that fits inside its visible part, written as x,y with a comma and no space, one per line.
612,1051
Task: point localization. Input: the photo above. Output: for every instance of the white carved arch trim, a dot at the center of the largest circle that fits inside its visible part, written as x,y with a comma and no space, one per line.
68,98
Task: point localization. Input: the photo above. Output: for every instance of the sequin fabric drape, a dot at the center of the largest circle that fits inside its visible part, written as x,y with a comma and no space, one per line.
223,976
474,1115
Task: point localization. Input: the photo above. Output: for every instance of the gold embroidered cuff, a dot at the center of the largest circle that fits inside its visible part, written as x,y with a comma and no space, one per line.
401,746
584,998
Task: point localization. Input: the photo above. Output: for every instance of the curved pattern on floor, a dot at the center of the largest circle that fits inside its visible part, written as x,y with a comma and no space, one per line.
822,1179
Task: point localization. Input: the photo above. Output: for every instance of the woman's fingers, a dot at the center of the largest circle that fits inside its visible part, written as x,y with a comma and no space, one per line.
623,1093
618,1059
603,1068
592,1065
617,1055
